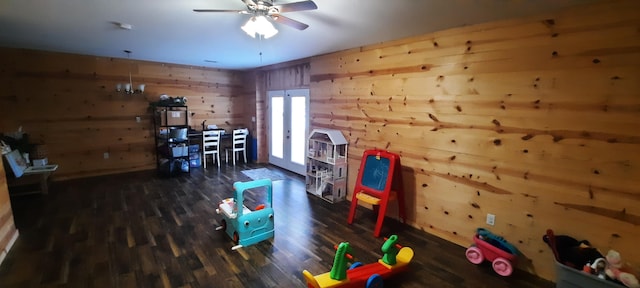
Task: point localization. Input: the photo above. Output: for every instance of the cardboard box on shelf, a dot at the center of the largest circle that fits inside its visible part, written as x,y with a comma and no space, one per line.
173,118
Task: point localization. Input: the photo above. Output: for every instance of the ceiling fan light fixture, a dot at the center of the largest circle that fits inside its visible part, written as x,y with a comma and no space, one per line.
261,26
250,27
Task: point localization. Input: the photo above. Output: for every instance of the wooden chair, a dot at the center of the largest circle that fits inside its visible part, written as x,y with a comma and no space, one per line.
379,181
211,146
239,145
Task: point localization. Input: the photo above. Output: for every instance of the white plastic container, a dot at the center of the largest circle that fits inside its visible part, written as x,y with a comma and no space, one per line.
179,151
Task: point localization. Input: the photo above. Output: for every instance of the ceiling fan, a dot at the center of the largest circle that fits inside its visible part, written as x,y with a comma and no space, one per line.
268,9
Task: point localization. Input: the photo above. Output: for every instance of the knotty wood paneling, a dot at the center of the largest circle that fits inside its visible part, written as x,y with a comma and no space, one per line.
69,103
8,231
250,119
262,117
535,120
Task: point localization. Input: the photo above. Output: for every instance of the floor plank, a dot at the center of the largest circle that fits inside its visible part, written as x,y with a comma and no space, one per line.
141,230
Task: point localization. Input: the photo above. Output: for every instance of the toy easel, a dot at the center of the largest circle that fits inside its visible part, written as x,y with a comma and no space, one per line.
379,181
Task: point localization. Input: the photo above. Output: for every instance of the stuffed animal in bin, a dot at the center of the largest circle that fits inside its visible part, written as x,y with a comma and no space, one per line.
615,270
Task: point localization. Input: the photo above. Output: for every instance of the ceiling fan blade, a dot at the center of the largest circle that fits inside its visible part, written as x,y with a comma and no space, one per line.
289,22
218,10
249,2
297,6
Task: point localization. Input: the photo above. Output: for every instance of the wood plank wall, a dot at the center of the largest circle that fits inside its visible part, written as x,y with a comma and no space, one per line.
535,120
68,102
8,231
249,99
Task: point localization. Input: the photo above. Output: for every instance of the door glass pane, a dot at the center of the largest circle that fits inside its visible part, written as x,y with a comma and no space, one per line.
277,126
298,127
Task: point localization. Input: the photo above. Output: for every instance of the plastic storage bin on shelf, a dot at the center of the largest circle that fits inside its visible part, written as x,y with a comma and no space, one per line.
194,155
179,151
194,160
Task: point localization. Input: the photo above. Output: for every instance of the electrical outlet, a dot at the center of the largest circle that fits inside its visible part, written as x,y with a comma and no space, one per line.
491,219
138,119
106,155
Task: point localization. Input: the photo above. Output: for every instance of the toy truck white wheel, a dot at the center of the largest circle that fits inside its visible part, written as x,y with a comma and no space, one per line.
474,255
502,266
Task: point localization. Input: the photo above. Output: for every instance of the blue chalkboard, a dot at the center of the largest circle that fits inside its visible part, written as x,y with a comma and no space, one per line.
375,172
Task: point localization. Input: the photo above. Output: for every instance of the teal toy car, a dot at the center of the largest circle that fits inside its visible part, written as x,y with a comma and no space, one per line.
246,226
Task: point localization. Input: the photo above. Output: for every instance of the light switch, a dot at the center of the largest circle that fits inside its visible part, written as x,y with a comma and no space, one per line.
491,219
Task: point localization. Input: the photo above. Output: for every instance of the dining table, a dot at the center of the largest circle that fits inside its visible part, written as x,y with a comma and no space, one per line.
226,140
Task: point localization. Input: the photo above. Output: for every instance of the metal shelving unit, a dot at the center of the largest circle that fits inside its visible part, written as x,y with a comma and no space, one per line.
171,126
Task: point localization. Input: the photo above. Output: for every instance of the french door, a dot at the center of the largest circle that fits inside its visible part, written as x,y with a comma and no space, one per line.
288,128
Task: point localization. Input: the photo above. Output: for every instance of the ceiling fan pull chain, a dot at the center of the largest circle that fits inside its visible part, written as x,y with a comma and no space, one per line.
260,47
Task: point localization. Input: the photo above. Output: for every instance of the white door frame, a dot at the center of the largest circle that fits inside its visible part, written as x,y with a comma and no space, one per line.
286,160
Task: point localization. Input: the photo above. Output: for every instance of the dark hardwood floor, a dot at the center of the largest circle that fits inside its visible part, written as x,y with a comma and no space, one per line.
140,230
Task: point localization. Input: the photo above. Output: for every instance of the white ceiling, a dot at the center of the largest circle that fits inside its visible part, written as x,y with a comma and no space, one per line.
169,31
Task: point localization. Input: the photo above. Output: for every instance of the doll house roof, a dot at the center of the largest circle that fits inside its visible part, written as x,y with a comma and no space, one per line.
335,136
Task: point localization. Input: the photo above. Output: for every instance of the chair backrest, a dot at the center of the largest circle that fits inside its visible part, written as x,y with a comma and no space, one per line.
211,140
240,138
